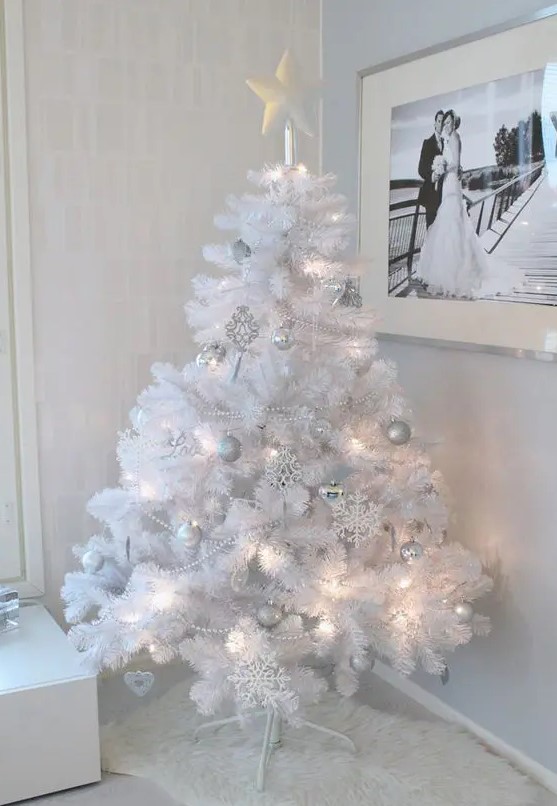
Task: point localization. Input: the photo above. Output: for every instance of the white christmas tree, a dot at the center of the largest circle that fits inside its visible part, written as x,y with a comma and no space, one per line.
274,506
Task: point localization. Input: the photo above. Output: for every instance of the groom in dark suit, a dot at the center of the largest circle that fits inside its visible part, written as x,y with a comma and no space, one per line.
430,192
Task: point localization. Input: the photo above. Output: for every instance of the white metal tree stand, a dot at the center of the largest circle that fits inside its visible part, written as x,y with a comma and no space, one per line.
272,738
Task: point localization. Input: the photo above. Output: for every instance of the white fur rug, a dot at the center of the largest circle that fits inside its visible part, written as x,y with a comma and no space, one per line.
400,762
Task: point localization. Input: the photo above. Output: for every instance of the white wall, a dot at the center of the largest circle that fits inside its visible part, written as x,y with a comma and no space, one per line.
140,123
495,415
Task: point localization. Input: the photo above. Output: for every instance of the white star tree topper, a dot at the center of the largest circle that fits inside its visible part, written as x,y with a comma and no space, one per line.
285,97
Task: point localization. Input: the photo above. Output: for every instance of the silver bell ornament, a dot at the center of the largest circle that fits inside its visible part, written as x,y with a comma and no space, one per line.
363,662
410,551
464,612
211,355
269,615
92,561
331,492
240,251
282,338
189,534
229,448
398,432
239,579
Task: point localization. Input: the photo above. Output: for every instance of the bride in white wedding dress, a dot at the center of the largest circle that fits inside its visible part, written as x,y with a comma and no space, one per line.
453,263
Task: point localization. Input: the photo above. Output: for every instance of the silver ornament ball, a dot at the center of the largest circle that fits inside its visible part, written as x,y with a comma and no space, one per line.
189,533
464,612
240,251
92,561
211,355
363,662
282,338
410,551
399,432
269,615
229,448
331,492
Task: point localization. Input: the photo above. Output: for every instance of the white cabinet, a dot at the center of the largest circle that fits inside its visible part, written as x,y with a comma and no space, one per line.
49,728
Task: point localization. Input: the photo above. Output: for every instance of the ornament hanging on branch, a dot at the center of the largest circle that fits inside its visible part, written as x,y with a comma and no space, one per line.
349,296
356,519
229,448
241,251
411,551
331,492
242,329
363,662
140,683
464,612
211,355
239,579
282,338
269,615
398,432
283,470
189,534
92,561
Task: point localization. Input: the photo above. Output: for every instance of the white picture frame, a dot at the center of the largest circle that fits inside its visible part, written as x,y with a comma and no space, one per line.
20,513
521,329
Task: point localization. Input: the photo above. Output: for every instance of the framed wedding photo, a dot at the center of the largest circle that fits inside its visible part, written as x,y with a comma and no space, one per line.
458,191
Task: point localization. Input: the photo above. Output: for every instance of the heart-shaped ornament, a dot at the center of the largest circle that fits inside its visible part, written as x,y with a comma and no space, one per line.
140,683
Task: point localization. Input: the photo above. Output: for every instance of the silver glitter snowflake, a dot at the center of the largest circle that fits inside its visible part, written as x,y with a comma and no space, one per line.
356,518
242,328
260,683
283,470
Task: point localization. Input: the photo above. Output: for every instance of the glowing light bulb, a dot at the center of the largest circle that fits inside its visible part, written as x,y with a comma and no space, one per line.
146,490
130,618
236,643
302,168
163,600
326,628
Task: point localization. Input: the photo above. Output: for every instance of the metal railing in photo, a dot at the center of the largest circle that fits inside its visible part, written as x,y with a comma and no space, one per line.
407,225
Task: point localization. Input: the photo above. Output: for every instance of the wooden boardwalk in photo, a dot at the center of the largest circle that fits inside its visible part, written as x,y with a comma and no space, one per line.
528,242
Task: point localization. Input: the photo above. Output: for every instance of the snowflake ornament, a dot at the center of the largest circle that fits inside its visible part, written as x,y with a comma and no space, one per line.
356,519
261,683
284,469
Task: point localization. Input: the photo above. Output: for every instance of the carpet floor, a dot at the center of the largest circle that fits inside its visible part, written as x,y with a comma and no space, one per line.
122,790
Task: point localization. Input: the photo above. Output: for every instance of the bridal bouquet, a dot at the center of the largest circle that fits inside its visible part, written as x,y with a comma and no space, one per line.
438,168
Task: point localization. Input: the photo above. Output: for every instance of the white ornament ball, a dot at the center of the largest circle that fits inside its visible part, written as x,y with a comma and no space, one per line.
189,533
92,561
399,432
211,355
239,579
331,492
410,551
282,338
364,662
464,612
229,448
269,615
